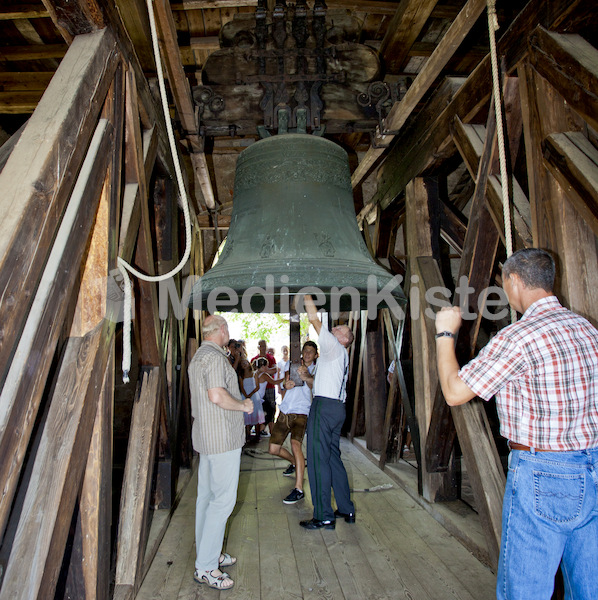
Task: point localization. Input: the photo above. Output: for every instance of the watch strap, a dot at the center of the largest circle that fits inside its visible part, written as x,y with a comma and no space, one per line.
445,334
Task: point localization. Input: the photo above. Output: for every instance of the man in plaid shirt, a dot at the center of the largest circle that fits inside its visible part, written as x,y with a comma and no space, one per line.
543,372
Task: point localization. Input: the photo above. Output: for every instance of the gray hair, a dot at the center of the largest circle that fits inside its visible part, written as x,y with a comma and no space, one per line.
211,325
535,268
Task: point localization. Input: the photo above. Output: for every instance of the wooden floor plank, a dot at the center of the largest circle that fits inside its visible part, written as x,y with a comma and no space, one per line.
396,550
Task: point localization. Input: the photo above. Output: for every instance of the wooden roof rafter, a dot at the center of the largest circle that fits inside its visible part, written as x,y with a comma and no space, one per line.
181,91
403,30
403,109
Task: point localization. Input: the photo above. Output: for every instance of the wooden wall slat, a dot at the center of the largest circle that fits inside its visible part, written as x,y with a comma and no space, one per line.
39,182
24,385
36,555
137,481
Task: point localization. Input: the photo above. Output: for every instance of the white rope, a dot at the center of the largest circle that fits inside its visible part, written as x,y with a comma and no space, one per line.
506,207
123,266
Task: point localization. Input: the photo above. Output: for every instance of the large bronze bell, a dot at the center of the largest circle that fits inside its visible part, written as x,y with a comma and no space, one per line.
293,228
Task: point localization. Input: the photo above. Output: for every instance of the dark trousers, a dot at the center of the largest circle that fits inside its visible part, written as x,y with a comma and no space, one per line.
325,468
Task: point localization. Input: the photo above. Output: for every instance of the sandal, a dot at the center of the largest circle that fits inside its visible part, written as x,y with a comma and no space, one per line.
218,582
226,560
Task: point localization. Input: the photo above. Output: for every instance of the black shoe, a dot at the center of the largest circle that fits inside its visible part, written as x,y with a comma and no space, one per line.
349,517
317,524
294,496
289,471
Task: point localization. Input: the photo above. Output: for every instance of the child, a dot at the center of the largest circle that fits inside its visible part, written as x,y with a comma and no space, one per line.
292,419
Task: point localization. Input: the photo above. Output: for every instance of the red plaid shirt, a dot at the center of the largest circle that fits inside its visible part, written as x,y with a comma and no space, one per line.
544,373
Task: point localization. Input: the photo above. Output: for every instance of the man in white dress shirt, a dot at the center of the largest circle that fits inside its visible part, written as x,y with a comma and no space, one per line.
326,417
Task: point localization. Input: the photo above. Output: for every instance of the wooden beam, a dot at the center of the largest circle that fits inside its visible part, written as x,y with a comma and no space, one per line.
374,373
399,113
137,481
441,427
135,18
182,97
373,7
360,360
403,30
147,322
557,224
8,146
23,11
35,340
57,473
475,435
205,43
573,161
25,81
452,228
37,52
209,4
412,152
75,17
89,571
393,413
89,568
40,182
430,129
19,103
570,64
179,84
469,140
422,250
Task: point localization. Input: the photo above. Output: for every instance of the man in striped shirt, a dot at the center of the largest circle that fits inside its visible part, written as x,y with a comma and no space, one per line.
543,371
218,435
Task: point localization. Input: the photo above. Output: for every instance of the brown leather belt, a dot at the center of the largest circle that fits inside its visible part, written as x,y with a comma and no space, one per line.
516,446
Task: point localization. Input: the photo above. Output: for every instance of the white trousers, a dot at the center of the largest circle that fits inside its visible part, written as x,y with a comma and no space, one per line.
217,483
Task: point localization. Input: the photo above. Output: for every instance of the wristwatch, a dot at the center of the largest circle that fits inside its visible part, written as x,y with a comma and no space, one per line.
445,334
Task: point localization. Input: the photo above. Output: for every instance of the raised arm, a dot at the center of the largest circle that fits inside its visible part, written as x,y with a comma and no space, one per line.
312,312
454,389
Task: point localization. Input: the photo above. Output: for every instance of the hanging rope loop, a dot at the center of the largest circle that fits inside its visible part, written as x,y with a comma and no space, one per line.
123,266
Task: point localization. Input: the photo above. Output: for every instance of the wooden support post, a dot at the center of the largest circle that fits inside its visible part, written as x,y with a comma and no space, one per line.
392,417
356,419
137,481
88,572
374,384
421,242
475,436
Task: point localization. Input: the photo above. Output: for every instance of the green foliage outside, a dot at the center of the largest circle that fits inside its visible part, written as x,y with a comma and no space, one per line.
274,328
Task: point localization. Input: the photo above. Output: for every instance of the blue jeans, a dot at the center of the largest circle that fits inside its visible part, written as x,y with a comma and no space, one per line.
550,514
